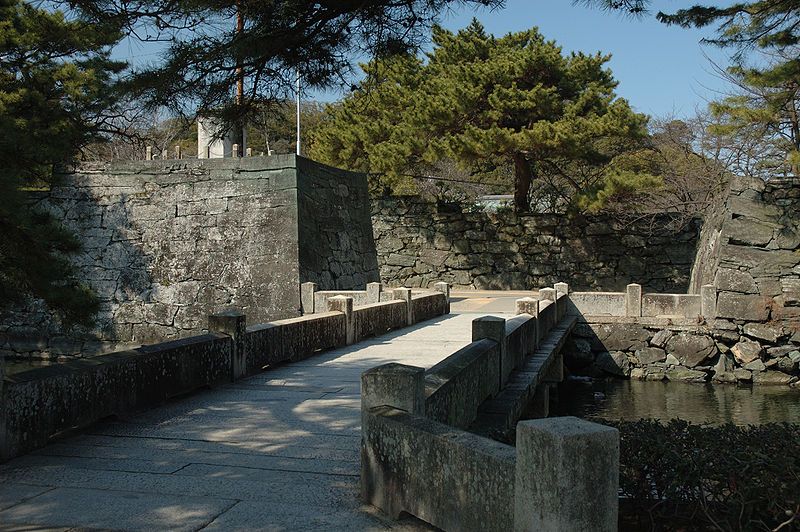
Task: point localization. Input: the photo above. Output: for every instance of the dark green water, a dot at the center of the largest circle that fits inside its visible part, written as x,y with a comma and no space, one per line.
698,403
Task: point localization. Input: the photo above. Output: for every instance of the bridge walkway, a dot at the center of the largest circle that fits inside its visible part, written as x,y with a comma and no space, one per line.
277,451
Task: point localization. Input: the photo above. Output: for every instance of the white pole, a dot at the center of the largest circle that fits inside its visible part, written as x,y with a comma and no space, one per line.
298,112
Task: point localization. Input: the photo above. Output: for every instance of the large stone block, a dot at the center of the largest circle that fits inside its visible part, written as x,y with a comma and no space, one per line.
749,232
743,307
567,476
727,280
691,349
746,352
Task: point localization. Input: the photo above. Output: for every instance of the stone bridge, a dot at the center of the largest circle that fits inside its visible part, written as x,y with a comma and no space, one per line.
278,450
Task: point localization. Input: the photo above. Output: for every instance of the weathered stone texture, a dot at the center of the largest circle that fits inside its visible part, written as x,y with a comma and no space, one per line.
166,243
419,242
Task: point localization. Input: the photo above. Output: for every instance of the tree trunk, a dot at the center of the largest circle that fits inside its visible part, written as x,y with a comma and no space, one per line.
522,183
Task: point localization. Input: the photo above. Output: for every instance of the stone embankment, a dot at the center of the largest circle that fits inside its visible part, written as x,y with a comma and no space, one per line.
749,329
419,242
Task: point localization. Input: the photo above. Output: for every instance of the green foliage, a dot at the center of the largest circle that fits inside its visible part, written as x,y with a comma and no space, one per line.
678,475
56,83
479,97
206,55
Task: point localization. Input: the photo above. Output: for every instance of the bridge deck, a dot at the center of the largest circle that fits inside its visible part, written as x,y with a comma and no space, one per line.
277,451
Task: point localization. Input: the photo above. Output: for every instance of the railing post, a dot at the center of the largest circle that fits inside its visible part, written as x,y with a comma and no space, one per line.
708,301
567,475
344,304
397,386
530,306
234,324
307,297
404,294
494,328
148,153
445,289
633,300
561,288
374,292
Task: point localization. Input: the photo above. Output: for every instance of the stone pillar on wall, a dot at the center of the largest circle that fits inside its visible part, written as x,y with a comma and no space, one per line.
445,289
567,476
404,294
234,324
633,300
307,297
344,305
494,328
374,292
708,301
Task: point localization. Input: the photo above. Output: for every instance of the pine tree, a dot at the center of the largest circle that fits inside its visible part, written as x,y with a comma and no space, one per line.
479,97
56,90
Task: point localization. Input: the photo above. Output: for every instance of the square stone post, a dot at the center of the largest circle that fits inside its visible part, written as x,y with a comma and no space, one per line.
397,386
148,153
567,476
530,306
708,301
549,294
374,292
344,304
233,323
633,300
445,289
307,298
562,290
494,328
404,294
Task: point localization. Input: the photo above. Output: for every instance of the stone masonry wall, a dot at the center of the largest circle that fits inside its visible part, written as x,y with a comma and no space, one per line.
337,249
749,251
166,243
419,243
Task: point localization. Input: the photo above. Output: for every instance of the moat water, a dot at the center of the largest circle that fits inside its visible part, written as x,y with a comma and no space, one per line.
632,400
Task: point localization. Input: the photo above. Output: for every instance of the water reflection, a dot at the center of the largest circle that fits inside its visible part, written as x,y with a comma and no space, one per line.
697,403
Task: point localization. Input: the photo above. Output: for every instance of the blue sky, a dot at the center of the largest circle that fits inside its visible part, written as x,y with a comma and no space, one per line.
661,69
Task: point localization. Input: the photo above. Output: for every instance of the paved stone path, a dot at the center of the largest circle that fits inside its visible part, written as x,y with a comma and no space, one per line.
277,451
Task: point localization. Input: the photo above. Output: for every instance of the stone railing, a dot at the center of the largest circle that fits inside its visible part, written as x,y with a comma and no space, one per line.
682,337
42,403
634,303
417,457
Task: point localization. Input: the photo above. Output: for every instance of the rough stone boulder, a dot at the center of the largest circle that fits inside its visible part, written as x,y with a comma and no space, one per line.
773,378
686,375
746,352
620,337
649,355
615,363
761,331
660,338
691,349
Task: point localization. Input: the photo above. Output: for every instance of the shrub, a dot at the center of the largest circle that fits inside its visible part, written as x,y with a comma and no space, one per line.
677,475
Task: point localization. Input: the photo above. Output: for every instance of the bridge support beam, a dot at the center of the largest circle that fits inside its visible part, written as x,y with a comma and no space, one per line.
233,323
567,476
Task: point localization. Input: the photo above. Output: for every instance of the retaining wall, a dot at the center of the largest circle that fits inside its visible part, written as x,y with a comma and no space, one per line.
167,242
419,241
